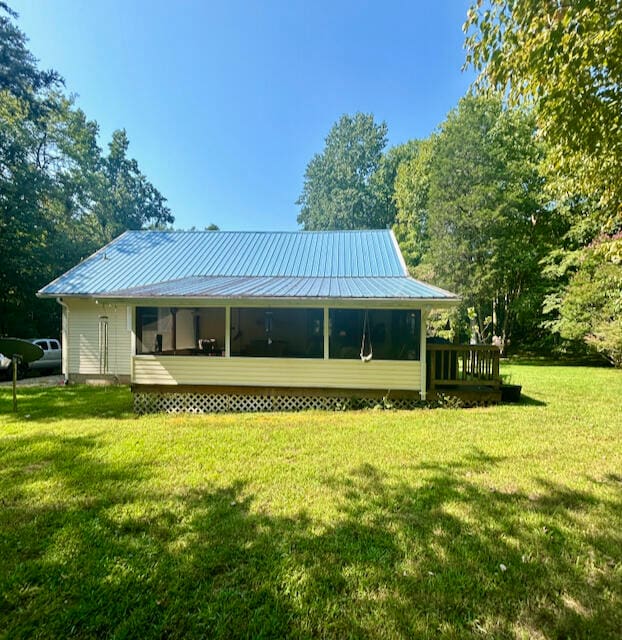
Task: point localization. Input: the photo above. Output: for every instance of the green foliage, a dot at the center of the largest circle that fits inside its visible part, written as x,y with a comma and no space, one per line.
127,200
477,205
370,524
19,74
591,309
338,191
566,60
384,179
411,194
60,198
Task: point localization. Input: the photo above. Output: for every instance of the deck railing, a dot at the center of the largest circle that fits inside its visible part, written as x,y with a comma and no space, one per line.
462,365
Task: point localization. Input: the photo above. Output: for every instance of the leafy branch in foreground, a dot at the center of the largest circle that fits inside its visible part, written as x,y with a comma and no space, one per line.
564,58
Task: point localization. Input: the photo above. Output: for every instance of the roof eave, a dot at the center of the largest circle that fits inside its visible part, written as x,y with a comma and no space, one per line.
427,301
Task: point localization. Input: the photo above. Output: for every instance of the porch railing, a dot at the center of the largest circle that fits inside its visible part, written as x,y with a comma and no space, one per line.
462,365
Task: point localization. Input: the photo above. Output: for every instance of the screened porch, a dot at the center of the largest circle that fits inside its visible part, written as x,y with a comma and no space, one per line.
279,332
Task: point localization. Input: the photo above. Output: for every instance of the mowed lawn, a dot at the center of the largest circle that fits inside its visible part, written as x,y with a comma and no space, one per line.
500,522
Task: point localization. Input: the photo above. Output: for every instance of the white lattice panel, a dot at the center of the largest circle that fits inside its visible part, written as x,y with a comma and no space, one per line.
218,403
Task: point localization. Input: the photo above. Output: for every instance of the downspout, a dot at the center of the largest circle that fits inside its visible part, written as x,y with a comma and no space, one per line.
64,339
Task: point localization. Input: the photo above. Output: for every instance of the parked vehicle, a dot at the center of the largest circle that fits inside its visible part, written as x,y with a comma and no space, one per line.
52,355
5,367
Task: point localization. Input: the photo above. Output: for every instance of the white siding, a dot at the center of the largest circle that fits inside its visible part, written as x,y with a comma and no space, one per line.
82,342
283,372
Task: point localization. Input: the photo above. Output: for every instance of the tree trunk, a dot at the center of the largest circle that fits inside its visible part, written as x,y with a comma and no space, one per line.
493,328
506,324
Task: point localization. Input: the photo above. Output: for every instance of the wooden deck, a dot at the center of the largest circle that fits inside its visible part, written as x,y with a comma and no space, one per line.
467,372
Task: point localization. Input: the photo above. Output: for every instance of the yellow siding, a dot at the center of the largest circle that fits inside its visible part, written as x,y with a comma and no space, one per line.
83,337
345,374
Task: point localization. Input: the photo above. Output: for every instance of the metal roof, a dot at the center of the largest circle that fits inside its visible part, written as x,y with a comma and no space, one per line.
285,287
238,264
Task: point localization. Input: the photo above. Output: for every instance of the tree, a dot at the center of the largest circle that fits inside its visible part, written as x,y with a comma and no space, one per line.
46,166
59,198
411,195
127,200
487,227
564,58
591,309
19,74
384,178
338,192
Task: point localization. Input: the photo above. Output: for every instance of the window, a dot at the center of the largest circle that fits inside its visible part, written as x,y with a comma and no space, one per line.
277,333
180,331
43,344
54,345
391,334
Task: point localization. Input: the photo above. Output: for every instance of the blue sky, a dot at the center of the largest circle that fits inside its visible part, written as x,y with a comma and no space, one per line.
225,103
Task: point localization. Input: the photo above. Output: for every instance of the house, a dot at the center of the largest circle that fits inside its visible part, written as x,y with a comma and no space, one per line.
219,320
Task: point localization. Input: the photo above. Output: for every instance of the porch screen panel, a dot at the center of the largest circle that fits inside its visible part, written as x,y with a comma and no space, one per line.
277,333
180,331
154,329
394,333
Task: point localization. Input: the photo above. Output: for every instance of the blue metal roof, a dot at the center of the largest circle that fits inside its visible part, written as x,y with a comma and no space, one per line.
224,264
286,287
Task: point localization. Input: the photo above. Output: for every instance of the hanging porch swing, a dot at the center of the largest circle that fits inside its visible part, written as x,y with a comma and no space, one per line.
366,357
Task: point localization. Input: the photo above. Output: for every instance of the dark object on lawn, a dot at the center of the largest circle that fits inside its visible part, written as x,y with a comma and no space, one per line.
20,352
510,392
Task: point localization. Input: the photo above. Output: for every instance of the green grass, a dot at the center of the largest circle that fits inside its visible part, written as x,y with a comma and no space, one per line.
360,524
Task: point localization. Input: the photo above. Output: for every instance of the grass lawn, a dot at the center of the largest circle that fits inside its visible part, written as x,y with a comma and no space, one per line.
501,522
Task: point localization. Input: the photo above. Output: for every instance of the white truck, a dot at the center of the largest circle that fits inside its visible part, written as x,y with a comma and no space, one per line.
52,355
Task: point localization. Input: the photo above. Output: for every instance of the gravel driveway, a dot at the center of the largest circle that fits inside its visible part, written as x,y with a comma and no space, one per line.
40,381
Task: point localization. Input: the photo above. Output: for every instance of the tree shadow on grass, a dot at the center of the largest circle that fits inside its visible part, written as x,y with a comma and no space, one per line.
69,403
102,552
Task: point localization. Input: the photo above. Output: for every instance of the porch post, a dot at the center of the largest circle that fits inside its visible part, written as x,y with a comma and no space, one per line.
423,352
131,327
65,341
227,332
326,334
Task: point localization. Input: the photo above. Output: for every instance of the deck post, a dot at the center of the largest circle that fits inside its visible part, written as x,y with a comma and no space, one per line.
423,348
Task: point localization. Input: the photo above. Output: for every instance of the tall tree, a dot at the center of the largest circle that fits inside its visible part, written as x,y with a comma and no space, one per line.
127,200
59,198
564,59
411,196
486,224
19,74
383,180
338,192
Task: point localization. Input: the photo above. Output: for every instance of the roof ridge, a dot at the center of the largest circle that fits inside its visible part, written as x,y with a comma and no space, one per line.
264,231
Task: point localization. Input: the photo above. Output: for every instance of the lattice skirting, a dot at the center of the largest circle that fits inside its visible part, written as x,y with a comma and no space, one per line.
220,402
